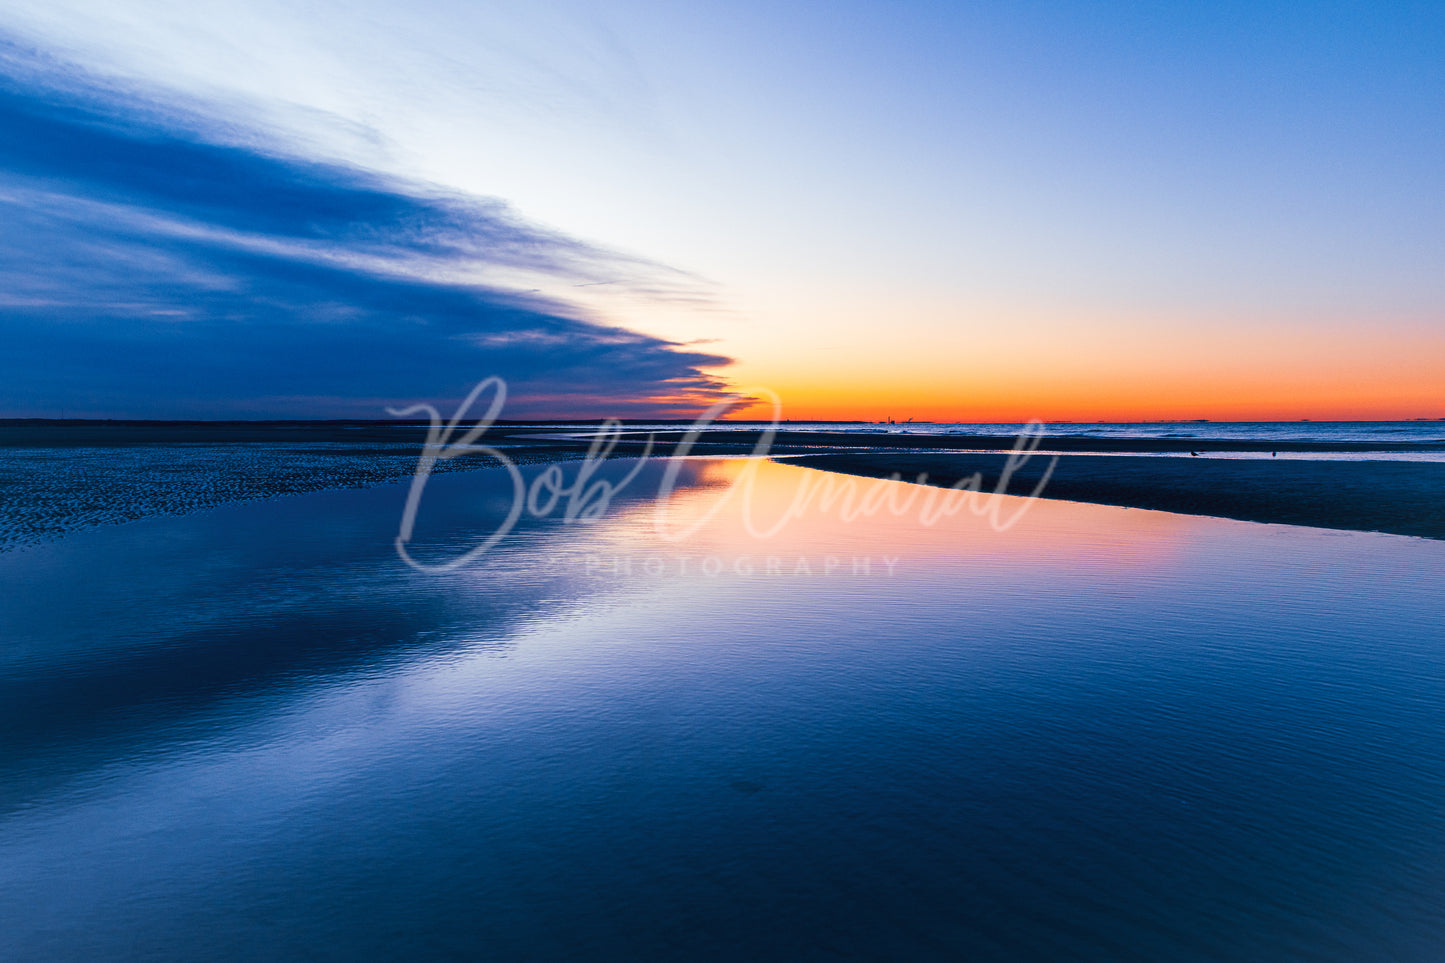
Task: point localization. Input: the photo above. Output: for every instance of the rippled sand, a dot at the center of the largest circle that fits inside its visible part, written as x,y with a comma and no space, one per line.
51,491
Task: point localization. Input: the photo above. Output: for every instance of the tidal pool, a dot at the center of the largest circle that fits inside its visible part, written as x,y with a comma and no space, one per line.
1099,734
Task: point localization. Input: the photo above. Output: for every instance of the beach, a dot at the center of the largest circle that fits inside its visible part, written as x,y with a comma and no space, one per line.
1401,498
590,482
62,477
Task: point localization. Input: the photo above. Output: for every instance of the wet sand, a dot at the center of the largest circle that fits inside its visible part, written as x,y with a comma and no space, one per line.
46,492
1402,498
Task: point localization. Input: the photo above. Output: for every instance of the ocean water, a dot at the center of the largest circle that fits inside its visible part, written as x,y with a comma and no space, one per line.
1098,734
1403,433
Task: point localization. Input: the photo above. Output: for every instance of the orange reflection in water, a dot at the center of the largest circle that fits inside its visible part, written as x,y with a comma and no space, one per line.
759,509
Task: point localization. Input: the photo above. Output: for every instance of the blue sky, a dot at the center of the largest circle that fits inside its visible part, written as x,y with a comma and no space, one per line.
990,210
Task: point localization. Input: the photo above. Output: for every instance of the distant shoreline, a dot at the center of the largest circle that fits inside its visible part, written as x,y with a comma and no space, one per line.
48,494
43,433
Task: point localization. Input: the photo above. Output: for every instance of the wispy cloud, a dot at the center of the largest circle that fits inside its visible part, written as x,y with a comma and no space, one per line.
156,262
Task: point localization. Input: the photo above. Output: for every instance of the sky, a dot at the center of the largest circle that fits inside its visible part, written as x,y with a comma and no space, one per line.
938,211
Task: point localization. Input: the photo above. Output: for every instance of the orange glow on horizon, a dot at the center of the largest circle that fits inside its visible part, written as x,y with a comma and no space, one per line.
1229,400
901,407
1195,373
